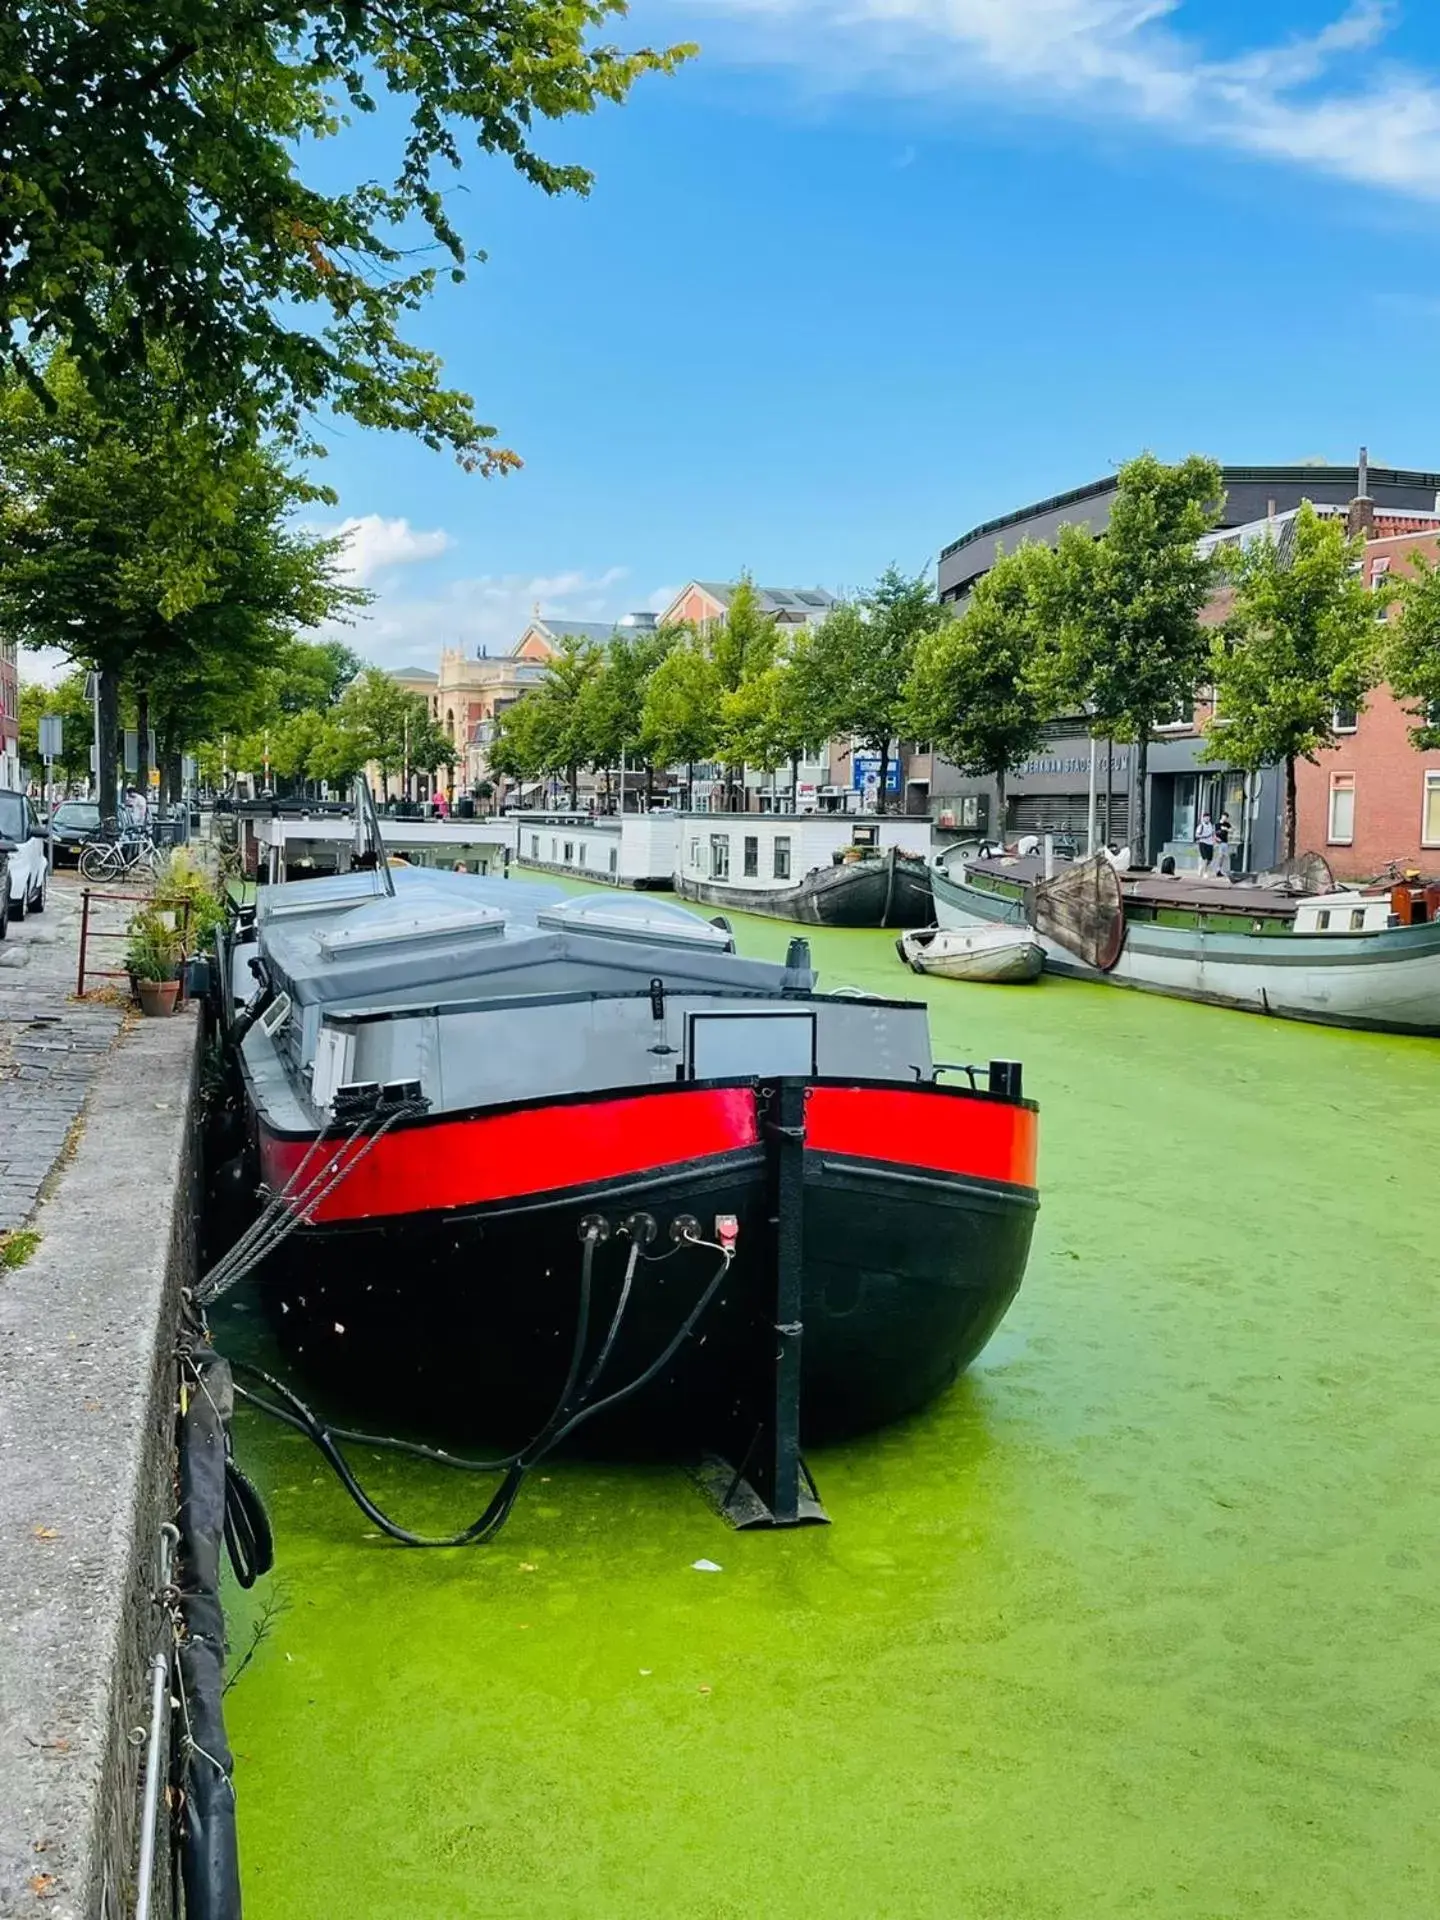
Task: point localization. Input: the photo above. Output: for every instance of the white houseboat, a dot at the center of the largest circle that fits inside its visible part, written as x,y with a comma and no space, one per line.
617,850
838,870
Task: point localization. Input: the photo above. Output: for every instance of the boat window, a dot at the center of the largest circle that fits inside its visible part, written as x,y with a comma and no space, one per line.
752,857
1342,809
1357,917
719,856
782,856
569,853
1322,919
534,846
582,853
732,1046
552,847
695,852
614,859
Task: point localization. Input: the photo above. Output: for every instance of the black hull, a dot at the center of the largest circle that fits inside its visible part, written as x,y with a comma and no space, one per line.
872,893
463,1326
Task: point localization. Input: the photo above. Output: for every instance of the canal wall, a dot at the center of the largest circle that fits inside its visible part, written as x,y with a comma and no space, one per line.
87,1429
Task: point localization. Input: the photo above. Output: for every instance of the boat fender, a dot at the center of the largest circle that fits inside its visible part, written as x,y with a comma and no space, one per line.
657,998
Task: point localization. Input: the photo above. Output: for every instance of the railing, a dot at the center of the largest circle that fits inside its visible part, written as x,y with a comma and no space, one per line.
89,933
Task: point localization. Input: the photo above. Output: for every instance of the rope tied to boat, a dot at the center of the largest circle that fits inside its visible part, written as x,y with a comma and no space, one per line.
292,1206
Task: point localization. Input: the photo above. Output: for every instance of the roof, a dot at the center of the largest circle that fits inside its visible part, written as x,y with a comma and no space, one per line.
597,630
411,673
805,600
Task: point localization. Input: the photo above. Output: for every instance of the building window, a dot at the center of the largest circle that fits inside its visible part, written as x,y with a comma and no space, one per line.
1430,818
752,857
1182,714
1345,719
1342,809
1379,567
719,856
782,856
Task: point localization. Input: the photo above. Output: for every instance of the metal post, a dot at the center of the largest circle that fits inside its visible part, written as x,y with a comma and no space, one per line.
1090,805
84,935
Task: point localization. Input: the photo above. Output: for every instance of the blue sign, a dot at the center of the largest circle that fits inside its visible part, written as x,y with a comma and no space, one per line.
865,773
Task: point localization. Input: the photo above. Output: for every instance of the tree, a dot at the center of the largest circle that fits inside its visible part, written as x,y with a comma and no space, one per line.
680,722
69,700
1411,659
379,715
1127,606
979,689
612,700
153,545
161,185
863,655
1300,641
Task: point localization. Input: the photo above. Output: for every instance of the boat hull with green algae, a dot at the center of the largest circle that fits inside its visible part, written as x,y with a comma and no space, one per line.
1138,1620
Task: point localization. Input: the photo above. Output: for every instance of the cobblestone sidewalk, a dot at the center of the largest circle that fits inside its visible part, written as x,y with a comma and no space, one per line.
50,1045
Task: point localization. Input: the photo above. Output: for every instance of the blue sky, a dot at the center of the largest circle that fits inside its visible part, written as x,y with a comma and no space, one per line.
869,271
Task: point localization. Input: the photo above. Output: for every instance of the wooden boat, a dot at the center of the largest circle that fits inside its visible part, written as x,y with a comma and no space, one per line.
1345,958
453,1084
1000,954
890,889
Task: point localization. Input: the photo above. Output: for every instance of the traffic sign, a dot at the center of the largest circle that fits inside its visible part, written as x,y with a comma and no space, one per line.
51,736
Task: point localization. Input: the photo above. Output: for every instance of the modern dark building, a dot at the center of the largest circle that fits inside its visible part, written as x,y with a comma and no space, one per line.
1251,493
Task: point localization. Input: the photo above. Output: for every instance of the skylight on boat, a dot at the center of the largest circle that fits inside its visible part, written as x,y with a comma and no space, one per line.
370,933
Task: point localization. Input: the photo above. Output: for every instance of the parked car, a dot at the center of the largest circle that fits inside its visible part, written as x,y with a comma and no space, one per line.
23,840
76,821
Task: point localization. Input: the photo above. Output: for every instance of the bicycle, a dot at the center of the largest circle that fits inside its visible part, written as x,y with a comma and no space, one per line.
116,855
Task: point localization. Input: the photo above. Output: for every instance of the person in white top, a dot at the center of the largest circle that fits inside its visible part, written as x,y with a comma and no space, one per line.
1205,844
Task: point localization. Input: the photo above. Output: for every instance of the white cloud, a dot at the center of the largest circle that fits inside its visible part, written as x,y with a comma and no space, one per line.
374,545
1324,100
489,610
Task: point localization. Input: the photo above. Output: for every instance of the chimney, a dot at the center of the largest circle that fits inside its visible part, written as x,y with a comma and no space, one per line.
1361,516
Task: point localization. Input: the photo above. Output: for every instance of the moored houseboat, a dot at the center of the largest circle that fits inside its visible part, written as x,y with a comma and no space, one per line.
833,870
1346,958
451,1088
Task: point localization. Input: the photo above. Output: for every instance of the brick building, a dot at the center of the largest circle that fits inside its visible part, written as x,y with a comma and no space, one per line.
9,714
1374,797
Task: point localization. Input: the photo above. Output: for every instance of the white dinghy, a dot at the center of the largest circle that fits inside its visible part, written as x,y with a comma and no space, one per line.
1000,954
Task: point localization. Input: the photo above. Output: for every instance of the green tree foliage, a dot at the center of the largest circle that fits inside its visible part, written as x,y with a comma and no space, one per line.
389,727
1411,659
1301,639
1127,606
156,548
163,183
862,659
980,689
680,720
612,701
70,702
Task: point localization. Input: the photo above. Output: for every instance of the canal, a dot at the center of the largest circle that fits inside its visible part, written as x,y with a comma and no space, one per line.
1140,1620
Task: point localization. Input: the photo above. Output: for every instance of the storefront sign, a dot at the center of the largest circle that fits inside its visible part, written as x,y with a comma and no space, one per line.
1078,763
865,773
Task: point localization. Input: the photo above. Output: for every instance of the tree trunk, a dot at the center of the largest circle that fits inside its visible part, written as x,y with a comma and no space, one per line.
1000,805
884,776
573,779
794,783
1109,783
1290,804
109,751
1139,826
142,742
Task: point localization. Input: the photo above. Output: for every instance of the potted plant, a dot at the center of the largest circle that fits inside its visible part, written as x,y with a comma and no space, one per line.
152,958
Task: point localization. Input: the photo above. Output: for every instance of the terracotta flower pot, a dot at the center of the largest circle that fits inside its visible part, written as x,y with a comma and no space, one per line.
157,997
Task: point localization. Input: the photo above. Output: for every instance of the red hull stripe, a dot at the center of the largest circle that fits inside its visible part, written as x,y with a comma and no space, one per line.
507,1156
915,1127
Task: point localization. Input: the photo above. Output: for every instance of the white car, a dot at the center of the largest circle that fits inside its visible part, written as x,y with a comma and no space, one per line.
23,839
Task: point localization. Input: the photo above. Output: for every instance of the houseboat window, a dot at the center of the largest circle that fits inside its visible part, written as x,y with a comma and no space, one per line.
782,856
1342,809
752,857
1357,919
614,859
1430,817
582,853
1345,719
569,853
534,846
695,852
1322,919
719,856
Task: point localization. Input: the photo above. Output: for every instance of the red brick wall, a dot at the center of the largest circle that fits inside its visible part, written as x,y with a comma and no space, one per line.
1389,773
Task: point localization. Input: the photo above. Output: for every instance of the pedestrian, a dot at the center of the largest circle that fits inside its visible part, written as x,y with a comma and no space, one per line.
1223,830
1205,844
442,806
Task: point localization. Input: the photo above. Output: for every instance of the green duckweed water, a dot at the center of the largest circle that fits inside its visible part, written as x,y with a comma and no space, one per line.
1141,1620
